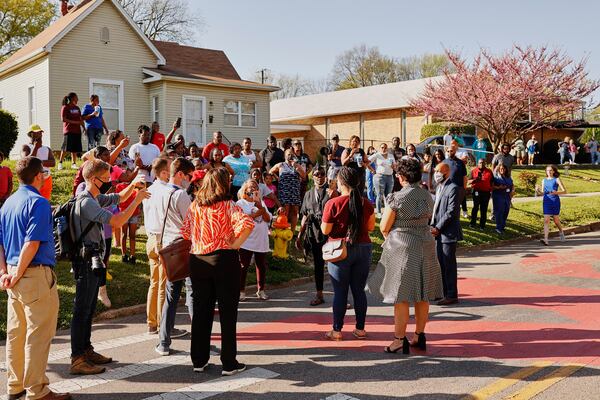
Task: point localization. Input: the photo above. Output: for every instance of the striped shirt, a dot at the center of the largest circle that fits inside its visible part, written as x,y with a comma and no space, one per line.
214,227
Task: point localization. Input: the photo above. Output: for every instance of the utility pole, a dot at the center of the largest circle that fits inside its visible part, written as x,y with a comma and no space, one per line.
263,75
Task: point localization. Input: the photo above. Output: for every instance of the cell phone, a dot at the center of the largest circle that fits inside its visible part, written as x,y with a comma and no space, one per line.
178,122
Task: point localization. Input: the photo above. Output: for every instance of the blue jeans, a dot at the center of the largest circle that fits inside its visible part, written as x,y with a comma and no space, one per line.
84,306
384,184
595,157
169,311
350,273
370,186
94,136
564,157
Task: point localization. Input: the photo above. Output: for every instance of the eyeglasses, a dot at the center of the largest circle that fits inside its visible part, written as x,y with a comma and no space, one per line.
45,172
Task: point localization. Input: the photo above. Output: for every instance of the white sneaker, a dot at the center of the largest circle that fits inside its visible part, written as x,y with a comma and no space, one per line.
262,295
103,297
561,235
59,166
242,296
74,166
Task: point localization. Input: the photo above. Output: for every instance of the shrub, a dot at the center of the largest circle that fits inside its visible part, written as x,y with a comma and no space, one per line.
9,131
439,129
588,134
528,181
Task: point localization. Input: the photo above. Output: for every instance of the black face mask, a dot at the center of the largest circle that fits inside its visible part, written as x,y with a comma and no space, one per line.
105,187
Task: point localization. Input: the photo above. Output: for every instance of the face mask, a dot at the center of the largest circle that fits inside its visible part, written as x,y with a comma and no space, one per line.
438,177
105,187
185,184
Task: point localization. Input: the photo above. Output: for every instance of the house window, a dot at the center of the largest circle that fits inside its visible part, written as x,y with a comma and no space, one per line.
110,94
104,35
31,105
240,113
155,115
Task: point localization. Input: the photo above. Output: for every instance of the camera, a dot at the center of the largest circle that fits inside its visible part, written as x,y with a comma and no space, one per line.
325,151
91,253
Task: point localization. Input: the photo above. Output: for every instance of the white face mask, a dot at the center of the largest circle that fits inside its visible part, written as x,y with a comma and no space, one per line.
438,177
185,184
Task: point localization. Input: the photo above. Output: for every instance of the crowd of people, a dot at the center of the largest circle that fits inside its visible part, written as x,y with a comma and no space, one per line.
222,199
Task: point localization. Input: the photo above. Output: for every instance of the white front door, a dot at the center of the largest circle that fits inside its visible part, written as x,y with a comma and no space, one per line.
193,114
112,102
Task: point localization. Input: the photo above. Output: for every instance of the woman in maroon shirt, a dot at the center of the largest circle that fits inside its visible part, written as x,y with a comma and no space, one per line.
72,125
349,216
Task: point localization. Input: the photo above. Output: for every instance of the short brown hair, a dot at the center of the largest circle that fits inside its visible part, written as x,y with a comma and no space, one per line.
159,165
214,187
181,164
28,168
93,168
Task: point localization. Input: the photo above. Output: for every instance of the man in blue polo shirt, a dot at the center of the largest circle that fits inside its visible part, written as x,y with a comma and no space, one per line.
27,272
93,116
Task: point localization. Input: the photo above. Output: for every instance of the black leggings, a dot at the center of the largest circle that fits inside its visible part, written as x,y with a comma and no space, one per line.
317,253
261,268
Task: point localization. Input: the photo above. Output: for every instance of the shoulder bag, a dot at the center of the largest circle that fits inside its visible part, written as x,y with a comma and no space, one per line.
335,250
175,257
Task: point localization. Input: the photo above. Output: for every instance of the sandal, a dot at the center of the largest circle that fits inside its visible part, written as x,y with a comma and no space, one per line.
334,335
360,334
317,301
405,346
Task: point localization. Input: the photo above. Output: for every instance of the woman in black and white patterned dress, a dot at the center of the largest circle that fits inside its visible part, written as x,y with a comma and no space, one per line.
408,271
290,175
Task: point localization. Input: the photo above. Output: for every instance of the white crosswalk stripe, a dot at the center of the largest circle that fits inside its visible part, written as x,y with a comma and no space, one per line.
100,346
340,396
218,386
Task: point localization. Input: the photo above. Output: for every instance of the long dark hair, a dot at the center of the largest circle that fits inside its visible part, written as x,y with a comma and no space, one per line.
69,98
350,177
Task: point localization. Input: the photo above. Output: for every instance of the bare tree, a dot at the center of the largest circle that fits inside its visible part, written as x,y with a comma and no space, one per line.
362,66
292,85
171,20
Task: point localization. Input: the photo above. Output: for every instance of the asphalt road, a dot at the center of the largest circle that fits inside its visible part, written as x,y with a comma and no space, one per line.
527,326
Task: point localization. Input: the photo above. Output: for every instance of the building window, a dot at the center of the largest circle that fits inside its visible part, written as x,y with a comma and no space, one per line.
240,113
31,105
155,114
111,100
104,35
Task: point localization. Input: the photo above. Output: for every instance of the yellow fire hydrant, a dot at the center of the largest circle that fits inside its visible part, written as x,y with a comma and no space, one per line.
282,235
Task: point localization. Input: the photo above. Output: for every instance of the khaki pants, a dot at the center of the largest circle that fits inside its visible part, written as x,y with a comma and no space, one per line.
158,279
31,325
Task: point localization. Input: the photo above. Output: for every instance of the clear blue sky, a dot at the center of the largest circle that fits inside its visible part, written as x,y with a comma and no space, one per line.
305,36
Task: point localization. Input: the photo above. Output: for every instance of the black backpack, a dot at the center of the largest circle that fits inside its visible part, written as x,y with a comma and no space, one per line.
66,246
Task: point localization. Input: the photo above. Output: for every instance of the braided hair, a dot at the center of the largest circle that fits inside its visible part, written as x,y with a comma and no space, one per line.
350,177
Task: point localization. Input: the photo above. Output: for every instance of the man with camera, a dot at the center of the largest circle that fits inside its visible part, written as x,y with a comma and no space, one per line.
88,265
27,263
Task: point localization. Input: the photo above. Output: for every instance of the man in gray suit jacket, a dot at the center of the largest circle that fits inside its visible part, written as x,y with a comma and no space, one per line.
445,226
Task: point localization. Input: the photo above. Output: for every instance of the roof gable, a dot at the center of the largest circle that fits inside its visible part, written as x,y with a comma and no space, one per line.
44,41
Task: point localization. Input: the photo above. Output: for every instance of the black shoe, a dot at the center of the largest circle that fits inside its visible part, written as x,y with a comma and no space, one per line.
236,370
421,342
405,347
125,258
132,260
17,396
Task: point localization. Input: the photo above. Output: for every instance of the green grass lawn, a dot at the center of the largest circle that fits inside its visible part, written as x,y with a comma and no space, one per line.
129,284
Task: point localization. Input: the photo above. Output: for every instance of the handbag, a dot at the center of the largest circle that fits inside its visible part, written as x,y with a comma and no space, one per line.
335,250
175,257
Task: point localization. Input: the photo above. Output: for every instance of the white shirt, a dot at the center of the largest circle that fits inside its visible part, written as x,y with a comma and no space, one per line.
383,165
43,154
155,206
258,241
447,140
148,153
250,156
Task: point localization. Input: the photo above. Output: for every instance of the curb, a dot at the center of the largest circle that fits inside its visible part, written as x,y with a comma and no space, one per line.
141,308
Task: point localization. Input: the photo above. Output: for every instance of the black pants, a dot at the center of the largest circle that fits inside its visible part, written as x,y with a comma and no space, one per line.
260,259
446,253
317,253
463,204
481,200
84,306
215,277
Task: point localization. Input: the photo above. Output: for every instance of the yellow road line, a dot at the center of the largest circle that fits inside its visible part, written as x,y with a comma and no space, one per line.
506,382
545,382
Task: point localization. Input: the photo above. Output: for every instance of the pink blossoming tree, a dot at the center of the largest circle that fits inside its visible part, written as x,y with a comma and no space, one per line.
510,94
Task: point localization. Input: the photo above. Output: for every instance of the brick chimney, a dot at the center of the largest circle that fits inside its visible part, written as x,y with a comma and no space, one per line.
64,7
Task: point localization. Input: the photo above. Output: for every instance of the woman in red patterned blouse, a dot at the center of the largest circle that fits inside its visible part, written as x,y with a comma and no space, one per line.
217,228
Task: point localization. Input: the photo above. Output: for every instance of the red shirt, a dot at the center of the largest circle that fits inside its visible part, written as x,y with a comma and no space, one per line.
158,139
209,147
73,113
337,212
5,177
482,180
123,205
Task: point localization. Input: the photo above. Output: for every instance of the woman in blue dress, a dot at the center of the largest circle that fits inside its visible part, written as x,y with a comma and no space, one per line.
551,202
502,193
